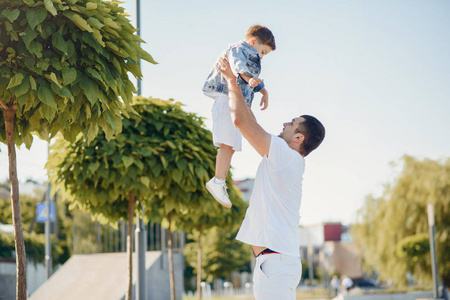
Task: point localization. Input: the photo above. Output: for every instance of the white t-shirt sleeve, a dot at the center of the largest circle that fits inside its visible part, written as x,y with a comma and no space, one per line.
281,158
280,155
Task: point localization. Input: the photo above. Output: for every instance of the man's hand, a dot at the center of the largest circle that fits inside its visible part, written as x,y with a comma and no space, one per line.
225,69
254,81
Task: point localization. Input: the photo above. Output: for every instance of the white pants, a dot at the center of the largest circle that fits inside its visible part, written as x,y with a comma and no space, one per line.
276,276
223,128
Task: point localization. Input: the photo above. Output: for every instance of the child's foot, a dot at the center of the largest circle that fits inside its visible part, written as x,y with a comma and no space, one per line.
219,191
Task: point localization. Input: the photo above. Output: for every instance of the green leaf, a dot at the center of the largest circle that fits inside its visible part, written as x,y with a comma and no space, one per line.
95,23
94,74
30,35
177,175
146,56
15,80
59,42
53,78
32,83
171,145
36,48
11,14
69,75
98,36
127,161
36,16
9,27
23,88
48,112
92,132
182,163
91,5
91,90
49,7
94,166
111,23
145,181
43,64
80,22
46,96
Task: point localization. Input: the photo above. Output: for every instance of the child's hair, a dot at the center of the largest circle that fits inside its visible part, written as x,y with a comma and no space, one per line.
263,34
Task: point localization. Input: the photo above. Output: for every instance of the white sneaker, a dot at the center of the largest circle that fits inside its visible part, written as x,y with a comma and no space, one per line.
219,192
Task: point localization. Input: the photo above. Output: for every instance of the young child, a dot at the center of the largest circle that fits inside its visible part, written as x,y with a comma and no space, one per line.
245,60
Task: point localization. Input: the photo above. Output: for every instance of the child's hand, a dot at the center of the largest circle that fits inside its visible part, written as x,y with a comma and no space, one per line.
264,101
254,81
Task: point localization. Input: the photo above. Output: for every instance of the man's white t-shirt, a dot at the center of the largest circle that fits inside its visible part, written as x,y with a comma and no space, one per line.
273,215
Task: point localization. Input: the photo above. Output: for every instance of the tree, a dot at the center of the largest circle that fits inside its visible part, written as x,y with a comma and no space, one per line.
223,254
34,238
64,68
413,248
162,158
385,223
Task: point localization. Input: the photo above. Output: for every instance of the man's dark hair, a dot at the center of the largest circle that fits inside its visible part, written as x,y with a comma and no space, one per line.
263,34
314,133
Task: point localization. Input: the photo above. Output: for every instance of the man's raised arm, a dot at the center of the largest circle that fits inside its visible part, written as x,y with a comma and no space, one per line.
241,115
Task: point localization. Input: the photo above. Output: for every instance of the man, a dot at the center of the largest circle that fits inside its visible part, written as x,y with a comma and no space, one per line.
271,222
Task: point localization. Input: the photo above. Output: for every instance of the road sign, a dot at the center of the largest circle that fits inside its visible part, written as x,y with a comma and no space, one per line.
42,212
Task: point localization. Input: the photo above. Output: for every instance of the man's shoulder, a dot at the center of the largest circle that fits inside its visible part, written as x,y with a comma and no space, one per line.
280,151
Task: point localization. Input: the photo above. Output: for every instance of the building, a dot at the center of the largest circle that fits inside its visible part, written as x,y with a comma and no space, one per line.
328,247
246,187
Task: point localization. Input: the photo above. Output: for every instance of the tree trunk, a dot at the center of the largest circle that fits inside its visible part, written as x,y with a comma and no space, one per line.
199,264
171,269
9,112
419,274
130,245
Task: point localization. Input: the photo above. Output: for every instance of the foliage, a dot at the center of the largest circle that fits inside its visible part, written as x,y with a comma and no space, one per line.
65,64
164,156
402,212
27,207
34,245
37,230
6,185
413,247
222,253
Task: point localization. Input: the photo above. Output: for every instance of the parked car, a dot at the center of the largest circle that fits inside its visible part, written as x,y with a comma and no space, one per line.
363,283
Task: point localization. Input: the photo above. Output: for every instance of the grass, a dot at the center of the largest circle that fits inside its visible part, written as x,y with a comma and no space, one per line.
222,298
316,293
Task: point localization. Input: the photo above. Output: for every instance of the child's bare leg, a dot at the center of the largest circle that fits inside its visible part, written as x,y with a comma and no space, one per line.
223,161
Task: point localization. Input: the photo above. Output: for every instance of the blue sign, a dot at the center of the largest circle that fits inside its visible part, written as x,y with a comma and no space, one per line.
42,212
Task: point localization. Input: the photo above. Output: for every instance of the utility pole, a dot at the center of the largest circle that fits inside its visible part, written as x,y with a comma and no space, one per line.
141,248
433,250
48,244
141,241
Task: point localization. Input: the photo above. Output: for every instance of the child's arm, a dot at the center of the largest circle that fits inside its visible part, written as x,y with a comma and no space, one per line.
252,81
265,99
239,63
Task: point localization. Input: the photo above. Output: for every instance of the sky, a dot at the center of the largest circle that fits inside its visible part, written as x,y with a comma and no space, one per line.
375,73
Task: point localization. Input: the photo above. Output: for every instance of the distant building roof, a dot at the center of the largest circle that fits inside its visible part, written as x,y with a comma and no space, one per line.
246,187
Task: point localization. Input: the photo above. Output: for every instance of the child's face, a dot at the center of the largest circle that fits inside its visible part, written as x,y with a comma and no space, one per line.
262,49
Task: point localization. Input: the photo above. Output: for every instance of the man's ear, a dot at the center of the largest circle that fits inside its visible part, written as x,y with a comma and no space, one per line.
298,138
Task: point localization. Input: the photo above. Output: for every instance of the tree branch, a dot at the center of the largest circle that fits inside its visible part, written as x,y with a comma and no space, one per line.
3,106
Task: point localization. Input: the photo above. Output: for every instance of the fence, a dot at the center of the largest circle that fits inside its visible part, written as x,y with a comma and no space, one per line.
90,236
